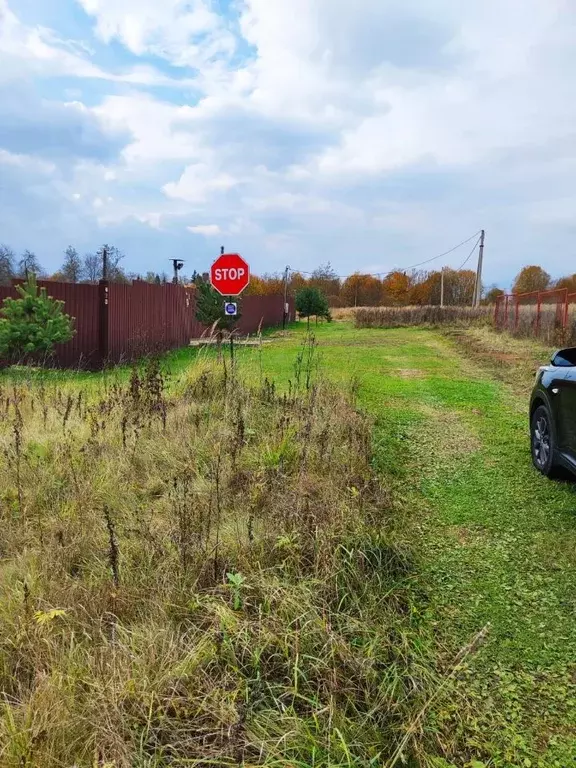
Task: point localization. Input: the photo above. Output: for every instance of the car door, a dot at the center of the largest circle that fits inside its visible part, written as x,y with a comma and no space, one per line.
567,412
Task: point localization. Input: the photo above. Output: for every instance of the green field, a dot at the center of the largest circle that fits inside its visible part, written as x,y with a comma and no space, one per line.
496,543
474,665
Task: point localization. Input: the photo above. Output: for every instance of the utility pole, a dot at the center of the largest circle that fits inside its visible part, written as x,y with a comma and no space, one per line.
478,287
104,263
442,288
285,311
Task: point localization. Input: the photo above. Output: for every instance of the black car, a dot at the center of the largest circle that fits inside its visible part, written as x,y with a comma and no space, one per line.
553,415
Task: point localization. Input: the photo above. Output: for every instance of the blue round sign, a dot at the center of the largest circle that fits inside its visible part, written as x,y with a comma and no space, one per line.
231,308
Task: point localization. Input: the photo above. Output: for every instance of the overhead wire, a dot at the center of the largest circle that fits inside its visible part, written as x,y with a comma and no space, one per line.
469,255
414,266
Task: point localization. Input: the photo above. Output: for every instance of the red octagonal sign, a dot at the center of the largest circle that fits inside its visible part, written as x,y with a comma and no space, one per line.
230,274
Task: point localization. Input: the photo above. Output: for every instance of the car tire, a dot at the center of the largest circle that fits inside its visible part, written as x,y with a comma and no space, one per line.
543,442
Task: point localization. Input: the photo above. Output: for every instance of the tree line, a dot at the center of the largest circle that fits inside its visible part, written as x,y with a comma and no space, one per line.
362,290
76,268
396,288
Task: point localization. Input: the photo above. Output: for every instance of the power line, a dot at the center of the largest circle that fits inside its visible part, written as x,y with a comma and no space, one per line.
414,266
469,255
441,255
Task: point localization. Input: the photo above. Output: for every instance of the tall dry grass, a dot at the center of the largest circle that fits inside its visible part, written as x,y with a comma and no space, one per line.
549,329
209,577
431,316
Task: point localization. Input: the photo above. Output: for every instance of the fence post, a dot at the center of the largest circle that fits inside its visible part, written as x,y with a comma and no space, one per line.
497,311
103,320
517,313
506,311
566,313
539,314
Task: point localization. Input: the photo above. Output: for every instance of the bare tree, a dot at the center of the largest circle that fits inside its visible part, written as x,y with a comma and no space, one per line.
92,268
72,266
6,264
29,263
110,258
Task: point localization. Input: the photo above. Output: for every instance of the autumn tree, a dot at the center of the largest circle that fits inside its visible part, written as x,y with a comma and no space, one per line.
326,280
531,279
266,285
395,288
351,291
296,281
256,287
459,287
424,288
568,282
492,294
360,290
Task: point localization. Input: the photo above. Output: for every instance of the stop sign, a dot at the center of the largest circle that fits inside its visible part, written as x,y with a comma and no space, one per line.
230,274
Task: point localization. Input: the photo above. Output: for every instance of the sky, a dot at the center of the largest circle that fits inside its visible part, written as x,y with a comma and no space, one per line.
373,134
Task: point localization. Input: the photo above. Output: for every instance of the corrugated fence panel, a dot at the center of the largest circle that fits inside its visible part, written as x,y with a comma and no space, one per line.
145,318
261,311
81,302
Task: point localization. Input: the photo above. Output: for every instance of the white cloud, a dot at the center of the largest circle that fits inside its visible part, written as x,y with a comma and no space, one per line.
383,125
26,162
208,230
41,52
185,33
153,125
199,182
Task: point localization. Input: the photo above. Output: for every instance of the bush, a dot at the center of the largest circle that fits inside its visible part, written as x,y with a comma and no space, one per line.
431,316
34,323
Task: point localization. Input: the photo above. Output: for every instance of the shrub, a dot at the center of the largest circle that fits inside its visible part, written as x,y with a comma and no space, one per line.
431,316
33,323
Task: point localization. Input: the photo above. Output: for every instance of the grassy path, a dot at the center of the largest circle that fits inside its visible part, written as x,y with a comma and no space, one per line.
496,543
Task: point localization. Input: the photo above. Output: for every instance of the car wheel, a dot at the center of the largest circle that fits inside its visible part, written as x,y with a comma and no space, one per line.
543,443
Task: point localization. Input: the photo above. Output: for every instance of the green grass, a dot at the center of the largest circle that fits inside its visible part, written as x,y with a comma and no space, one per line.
492,546
496,542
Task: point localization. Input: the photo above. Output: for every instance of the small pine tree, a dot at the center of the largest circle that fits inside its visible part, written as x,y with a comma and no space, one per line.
33,323
210,307
311,302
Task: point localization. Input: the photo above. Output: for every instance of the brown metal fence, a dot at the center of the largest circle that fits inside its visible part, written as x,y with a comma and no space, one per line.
547,315
145,318
116,322
81,303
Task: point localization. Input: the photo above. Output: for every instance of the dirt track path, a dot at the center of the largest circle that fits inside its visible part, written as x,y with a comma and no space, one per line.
497,542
